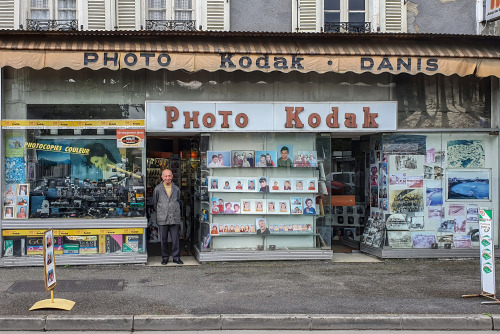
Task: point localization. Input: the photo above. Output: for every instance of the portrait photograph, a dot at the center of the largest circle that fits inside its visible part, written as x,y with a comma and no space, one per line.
218,159
305,159
261,226
260,206
275,185
272,207
283,207
242,158
23,190
285,155
309,206
9,201
239,184
246,206
298,185
22,212
312,185
252,184
226,184
10,190
287,184
8,211
213,183
216,205
266,159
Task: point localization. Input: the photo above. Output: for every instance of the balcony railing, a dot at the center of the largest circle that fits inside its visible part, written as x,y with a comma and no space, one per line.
170,25
51,25
355,27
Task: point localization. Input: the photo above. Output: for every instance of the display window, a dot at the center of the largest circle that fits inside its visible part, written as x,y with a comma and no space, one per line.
60,173
270,204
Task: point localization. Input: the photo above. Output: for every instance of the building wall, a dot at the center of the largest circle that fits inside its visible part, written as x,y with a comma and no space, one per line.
261,15
441,16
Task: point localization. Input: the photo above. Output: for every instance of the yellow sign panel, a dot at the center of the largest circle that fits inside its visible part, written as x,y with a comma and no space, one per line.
84,124
59,233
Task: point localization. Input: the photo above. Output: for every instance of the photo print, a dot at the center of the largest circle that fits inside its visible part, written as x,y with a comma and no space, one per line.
240,158
465,154
456,210
309,206
348,234
399,239
382,192
9,211
462,241
438,173
472,185
460,224
285,154
236,207
472,214
312,185
271,207
260,206
216,205
397,179
405,144
218,159
296,205
305,159
229,207
287,184
473,232
298,185
447,226
407,200
406,162
265,159
22,211
263,185
261,226
246,206
423,239
415,181
283,207
23,190
252,185
374,196
10,190
428,172
434,196
276,185
374,176
397,222
226,184
444,239
239,184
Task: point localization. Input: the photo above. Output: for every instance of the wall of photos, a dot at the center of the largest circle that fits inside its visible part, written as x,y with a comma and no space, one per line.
262,187
426,190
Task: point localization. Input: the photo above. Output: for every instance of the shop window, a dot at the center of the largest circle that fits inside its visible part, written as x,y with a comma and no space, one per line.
345,16
58,173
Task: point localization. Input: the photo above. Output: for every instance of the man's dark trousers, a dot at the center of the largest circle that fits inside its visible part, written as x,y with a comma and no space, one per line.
174,235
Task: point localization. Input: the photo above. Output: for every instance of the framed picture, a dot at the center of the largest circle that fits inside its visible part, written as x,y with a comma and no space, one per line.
296,205
263,185
213,183
251,185
218,159
275,185
287,184
8,211
285,153
283,207
312,185
272,207
216,205
242,158
10,190
261,226
246,206
309,206
226,184
239,184
23,190
22,211
229,207
260,206
265,159
305,159
298,185
468,185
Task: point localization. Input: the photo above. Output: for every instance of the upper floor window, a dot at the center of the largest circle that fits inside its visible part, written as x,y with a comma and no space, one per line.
53,9
170,15
345,15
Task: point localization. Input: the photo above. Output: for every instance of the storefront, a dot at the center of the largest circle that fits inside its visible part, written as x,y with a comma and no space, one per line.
392,149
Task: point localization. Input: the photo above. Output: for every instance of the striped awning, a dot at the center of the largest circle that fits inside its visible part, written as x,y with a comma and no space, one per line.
266,52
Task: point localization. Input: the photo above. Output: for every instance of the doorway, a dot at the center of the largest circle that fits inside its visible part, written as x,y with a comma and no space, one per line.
181,156
347,186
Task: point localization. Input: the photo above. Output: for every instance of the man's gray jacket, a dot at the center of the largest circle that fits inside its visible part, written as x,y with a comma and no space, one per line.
168,210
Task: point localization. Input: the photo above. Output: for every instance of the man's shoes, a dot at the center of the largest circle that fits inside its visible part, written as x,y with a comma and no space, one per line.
179,261
164,262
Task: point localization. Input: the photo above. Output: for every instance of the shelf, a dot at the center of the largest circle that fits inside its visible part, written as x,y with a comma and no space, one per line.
290,234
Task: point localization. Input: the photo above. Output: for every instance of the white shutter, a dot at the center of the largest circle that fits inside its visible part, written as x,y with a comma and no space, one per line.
216,15
7,14
127,14
306,15
96,10
394,16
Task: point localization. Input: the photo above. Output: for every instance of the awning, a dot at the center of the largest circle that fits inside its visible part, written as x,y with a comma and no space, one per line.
266,52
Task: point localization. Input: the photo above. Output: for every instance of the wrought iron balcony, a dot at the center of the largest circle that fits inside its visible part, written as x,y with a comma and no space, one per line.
355,27
170,25
51,25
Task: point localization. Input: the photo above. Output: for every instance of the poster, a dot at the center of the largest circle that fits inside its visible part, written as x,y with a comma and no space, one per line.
130,138
399,239
465,154
486,251
468,185
49,262
14,144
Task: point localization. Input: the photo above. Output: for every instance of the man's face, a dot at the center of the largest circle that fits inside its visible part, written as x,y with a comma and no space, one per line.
262,225
167,176
284,154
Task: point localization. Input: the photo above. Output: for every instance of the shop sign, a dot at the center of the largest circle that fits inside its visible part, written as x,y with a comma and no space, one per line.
129,138
270,117
492,10
486,250
72,124
57,233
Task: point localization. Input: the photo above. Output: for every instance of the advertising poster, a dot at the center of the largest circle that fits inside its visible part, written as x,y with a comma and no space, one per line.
49,260
486,251
130,138
14,144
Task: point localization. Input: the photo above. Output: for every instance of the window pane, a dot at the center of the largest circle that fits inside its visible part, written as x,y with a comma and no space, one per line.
332,17
183,4
356,4
66,4
332,4
40,3
156,4
356,17
40,14
66,15
156,15
183,15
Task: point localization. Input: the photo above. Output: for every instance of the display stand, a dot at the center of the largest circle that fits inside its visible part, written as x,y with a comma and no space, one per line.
57,303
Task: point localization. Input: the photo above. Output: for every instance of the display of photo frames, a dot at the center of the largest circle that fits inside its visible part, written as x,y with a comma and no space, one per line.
16,201
305,159
262,184
242,158
265,159
218,159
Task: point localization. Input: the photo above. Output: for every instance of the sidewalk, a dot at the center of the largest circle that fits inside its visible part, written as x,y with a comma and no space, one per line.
306,295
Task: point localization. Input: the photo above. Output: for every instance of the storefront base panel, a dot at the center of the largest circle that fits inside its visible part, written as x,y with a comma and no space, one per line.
25,261
389,253
276,255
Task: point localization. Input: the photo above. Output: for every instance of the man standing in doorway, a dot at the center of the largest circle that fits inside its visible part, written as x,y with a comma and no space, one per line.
166,202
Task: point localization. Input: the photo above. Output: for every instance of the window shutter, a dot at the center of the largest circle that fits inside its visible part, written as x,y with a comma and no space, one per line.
394,16
307,15
7,14
96,10
127,14
216,15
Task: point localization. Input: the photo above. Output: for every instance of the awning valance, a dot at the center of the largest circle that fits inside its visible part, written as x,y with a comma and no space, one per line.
375,53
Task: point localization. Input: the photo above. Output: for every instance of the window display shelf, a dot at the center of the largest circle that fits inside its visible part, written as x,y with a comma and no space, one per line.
73,223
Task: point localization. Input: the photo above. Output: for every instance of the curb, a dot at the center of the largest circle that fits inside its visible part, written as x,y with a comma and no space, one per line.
314,322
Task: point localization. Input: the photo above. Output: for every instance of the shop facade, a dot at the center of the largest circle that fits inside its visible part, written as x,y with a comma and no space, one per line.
392,149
